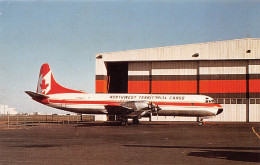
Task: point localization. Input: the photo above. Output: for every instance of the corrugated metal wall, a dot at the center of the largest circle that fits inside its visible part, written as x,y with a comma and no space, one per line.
226,81
162,77
174,77
223,79
220,50
138,77
219,79
101,76
254,90
173,118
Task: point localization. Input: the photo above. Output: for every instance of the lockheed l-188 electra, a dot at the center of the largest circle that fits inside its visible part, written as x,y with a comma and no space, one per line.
124,106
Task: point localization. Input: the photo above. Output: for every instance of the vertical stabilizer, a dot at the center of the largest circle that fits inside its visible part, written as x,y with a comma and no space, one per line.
47,84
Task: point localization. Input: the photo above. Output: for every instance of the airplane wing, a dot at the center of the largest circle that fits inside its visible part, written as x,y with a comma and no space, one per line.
129,109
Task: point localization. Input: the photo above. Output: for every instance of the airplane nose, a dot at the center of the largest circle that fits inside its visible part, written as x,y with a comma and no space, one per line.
219,111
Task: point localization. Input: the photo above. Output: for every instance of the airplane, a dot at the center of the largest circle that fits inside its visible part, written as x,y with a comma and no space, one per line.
124,106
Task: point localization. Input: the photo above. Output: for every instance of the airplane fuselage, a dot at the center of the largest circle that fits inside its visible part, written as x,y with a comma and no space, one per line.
170,105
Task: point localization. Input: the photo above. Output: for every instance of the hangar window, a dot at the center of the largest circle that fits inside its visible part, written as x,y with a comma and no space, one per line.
227,101
233,101
220,101
245,101
257,101
239,101
252,101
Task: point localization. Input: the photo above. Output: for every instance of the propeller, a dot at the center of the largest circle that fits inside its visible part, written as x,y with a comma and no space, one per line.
151,106
154,108
157,109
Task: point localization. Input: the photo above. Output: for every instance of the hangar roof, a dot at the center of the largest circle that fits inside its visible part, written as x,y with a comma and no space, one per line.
238,49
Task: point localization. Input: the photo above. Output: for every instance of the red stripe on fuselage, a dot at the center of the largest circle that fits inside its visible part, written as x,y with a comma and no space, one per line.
188,104
84,102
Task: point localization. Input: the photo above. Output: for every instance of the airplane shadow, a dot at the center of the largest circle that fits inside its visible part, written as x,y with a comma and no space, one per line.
228,155
209,152
195,147
38,146
110,123
93,124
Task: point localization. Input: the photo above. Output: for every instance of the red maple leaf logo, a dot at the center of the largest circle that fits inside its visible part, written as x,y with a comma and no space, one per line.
44,85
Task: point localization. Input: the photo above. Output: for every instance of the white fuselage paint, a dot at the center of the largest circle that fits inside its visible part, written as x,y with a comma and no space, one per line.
170,105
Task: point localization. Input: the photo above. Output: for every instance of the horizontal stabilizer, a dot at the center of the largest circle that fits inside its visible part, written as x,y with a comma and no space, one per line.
36,95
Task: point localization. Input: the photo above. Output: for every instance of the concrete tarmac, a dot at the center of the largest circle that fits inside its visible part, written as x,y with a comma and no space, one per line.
146,143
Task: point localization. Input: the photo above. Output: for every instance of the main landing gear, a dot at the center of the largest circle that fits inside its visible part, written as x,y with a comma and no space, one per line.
201,123
135,121
124,121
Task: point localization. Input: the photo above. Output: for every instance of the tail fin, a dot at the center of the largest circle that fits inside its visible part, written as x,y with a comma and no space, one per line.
47,84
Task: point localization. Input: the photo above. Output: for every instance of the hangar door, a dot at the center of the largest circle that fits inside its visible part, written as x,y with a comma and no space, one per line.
175,77
139,77
163,77
254,81
226,81
117,77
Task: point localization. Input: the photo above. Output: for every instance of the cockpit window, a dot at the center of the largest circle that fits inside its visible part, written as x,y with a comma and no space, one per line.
210,100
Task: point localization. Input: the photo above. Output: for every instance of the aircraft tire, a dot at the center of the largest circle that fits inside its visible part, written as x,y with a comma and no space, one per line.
124,122
135,121
201,123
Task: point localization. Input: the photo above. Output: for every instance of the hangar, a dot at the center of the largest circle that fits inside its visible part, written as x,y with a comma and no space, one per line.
228,71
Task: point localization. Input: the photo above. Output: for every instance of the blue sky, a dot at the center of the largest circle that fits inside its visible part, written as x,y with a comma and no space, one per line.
68,35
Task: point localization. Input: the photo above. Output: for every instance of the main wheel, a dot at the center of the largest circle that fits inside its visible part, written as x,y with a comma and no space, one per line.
124,122
135,121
